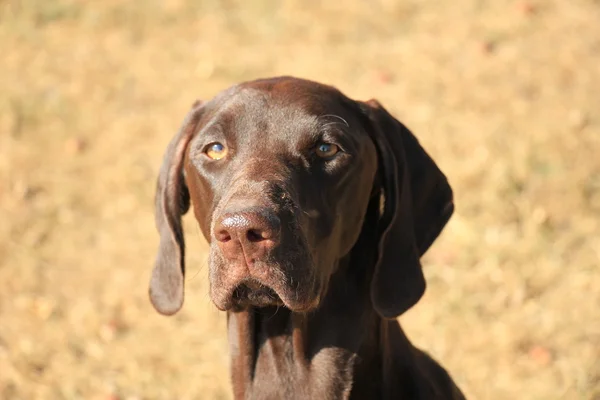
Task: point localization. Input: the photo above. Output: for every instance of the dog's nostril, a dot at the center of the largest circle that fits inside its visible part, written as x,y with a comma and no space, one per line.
255,235
223,236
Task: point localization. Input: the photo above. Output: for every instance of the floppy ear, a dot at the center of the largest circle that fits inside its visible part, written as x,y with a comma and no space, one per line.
172,200
417,205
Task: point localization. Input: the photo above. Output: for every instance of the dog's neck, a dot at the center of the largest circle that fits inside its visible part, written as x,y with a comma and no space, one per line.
333,352
280,354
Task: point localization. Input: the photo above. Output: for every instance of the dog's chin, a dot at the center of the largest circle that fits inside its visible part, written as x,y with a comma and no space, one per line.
254,294
251,293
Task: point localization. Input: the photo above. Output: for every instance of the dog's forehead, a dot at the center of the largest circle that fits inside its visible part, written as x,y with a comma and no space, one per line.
294,91
287,113
291,97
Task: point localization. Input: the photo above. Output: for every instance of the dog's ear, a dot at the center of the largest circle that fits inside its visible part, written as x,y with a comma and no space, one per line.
417,205
172,200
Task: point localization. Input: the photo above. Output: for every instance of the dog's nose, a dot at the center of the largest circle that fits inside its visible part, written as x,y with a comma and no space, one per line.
250,233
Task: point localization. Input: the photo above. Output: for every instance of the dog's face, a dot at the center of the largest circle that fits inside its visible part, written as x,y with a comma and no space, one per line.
276,175
280,173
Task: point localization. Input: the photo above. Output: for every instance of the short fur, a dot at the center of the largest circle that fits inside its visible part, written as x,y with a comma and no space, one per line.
312,258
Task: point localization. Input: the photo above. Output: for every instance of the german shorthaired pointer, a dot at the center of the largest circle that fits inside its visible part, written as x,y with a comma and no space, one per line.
317,209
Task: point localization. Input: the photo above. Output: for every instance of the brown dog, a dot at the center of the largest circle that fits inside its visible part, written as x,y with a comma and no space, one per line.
317,209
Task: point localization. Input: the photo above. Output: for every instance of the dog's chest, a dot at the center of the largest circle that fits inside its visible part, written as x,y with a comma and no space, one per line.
280,374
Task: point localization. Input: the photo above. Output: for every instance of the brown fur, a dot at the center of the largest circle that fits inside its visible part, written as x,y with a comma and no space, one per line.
312,259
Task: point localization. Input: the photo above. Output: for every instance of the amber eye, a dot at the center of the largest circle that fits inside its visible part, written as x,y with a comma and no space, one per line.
216,151
326,150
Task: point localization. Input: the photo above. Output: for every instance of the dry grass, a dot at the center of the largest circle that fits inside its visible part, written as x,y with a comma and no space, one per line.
504,94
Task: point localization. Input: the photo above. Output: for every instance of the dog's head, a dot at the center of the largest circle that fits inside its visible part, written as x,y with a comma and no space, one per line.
280,174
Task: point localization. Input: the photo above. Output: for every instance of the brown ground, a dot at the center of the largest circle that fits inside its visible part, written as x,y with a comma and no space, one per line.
504,94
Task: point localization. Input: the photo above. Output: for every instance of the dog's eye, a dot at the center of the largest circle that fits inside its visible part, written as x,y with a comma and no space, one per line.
216,151
326,150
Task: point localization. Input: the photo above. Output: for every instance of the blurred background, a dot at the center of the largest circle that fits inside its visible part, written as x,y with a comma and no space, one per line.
504,94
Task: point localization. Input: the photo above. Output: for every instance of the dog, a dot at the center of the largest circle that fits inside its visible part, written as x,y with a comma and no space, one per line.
317,209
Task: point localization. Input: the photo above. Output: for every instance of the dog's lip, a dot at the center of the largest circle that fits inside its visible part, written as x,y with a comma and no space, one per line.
251,292
226,277
252,284
276,296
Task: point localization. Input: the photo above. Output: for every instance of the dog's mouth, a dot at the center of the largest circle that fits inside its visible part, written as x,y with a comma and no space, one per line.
253,293
237,286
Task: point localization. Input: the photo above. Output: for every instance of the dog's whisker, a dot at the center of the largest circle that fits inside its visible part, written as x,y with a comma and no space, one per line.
198,270
336,116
